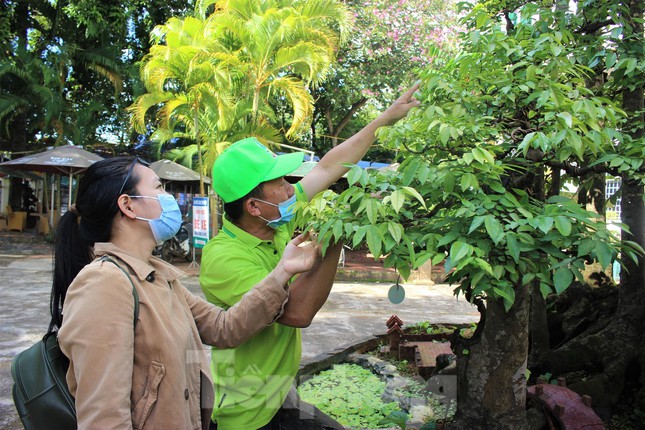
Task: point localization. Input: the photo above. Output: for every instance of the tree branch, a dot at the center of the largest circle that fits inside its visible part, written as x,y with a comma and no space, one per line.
593,27
349,114
574,170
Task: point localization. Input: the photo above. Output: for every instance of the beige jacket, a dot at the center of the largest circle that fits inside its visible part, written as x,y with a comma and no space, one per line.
152,376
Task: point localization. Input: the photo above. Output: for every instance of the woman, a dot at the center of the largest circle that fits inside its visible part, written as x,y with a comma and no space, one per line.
151,373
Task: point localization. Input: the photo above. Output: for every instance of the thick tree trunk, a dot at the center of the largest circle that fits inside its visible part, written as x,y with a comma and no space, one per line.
606,342
632,286
539,339
491,381
611,350
606,357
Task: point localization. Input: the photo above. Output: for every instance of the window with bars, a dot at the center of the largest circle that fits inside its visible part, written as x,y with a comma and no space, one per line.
613,208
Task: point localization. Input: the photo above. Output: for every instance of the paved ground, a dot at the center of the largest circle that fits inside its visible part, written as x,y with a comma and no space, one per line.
353,312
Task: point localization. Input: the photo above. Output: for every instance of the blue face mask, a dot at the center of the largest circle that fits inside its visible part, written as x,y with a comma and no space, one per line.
287,211
169,222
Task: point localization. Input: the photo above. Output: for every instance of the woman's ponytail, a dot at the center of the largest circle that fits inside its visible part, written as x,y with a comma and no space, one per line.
71,254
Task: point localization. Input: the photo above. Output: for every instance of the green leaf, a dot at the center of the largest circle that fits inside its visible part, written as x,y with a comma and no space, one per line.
513,247
562,278
476,278
438,259
449,182
563,224
414,193
585,247
396,230
494,229
469,181
558,199
468,158
359,235
410,170
527,278
545,289
483,156
371,209
527,214
568,119
444,133
484,265
459,250
374,242
448,238
337,229
398,418
422,259
508,294
423,174
477,221
545,224
354,175
604,254
397,198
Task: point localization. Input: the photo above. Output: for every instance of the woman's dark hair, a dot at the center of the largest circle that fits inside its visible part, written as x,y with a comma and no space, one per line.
87,222
235,209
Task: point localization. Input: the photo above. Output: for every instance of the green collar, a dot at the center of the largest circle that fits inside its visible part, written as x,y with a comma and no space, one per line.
237,233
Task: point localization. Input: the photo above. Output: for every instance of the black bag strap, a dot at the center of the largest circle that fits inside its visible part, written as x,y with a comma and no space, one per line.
134,290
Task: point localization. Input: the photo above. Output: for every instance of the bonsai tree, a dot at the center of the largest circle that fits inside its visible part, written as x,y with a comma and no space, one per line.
480,187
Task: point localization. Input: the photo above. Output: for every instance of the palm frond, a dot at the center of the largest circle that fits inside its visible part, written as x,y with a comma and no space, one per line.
184,155
309,60
300,99
331,11
10,106
142,105
102,63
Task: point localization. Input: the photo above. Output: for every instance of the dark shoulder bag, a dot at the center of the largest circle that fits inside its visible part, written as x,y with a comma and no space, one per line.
40,391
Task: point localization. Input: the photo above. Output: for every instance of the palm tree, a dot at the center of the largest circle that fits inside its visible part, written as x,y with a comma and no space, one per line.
212,78
185,82
37,92
277,48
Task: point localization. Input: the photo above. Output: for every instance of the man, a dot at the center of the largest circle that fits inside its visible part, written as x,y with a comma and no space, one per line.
253,381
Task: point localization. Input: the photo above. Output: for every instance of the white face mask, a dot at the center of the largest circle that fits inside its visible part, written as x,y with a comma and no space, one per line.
169,222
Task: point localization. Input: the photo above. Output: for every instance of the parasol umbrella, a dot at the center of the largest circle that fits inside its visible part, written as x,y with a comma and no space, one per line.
20,174
171,171
67,160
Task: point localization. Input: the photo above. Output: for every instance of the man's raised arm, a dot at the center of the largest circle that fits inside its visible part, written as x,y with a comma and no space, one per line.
330,168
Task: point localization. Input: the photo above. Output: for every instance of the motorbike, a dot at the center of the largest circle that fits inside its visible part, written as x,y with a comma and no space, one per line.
178,246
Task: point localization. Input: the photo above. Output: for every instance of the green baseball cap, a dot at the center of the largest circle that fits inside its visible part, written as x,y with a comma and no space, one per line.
246,164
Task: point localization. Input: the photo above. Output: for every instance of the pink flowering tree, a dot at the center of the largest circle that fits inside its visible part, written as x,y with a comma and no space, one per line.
392,39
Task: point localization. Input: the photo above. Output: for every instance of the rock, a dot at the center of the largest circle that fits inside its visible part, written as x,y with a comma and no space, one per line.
419,414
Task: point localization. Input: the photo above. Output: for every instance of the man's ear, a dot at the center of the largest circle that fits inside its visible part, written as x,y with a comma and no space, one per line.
251,206
125,206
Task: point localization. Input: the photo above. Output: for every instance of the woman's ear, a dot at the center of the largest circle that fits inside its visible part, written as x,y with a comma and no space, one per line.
125,206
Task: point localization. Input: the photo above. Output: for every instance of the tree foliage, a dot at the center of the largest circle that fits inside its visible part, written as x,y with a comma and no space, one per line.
519,112
66,68
506,107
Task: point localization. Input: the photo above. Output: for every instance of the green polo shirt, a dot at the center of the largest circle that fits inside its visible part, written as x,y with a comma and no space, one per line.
251,381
